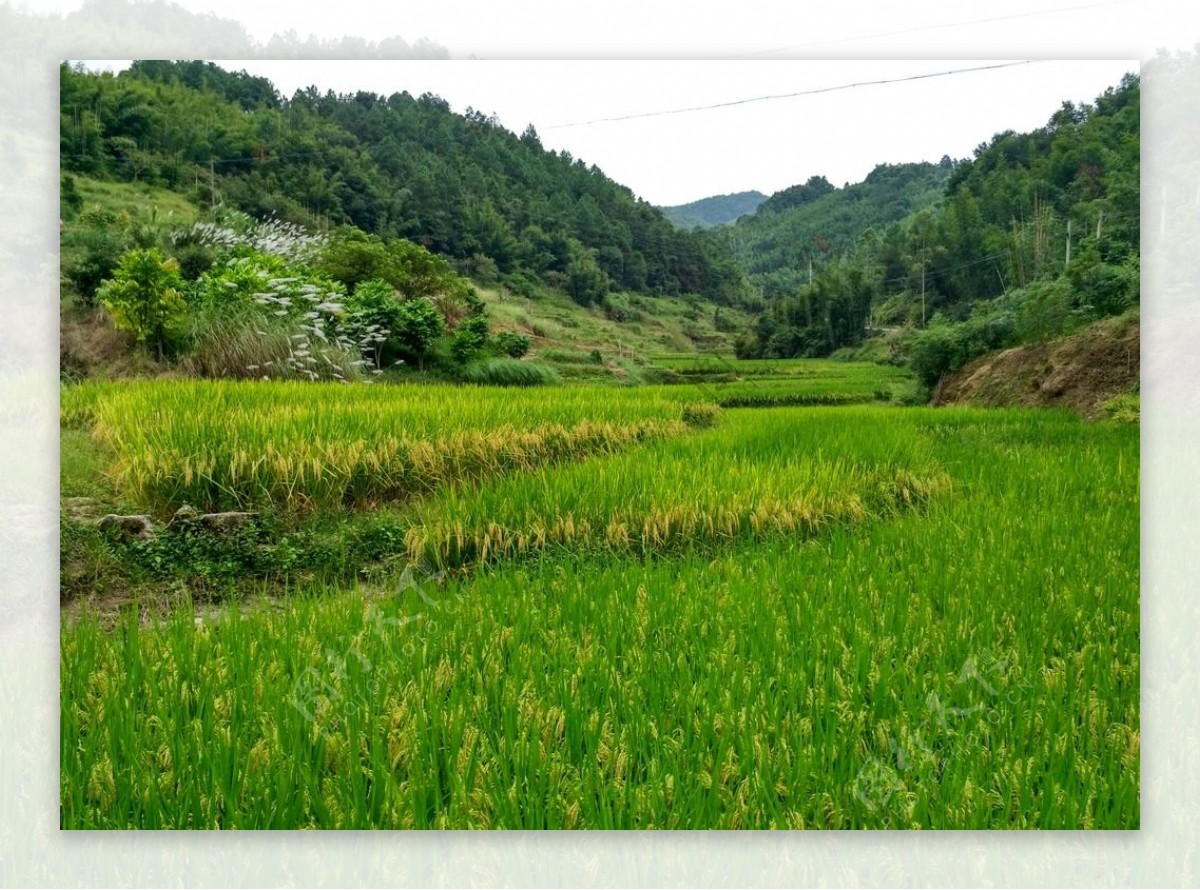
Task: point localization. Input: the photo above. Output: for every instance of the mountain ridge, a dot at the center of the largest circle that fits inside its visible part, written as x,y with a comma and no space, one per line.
715,210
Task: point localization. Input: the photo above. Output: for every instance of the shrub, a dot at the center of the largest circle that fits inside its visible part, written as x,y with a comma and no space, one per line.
1102,288
617,309
144,297
586,281
418,326
522,283
70,201
509,372
257,316
470,339
944,347
512,344
194,260
373,313
101,253
1125,408
1045,310
352,256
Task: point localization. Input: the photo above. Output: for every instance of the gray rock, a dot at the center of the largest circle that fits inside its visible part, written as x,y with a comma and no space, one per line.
124,528
223,522
81,509
184,516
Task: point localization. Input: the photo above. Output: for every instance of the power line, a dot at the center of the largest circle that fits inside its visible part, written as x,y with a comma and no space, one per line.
946,270
813,92
918,28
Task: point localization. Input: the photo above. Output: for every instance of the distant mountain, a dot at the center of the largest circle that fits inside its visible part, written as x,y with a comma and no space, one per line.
714,211
816,221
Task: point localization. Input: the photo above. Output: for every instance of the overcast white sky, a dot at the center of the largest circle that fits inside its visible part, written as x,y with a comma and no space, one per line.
749,50
764,145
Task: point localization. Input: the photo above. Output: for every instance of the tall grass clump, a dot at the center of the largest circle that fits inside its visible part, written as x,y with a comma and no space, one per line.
245,344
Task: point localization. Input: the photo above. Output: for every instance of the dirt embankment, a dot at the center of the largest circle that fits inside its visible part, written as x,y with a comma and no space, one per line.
1079,372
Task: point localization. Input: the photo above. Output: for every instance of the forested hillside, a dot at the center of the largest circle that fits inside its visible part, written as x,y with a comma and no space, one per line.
816,222
714,211
395,166
1032,238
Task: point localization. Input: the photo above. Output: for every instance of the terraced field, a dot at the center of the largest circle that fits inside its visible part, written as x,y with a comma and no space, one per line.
624,608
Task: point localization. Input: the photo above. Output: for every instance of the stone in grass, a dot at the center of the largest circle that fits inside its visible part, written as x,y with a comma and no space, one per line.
225,522
185,517
81,509
189,518
124,528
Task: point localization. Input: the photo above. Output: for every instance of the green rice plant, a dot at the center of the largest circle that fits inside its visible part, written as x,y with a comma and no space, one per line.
776,399
77,403
971,665
701,414
233,444
701,364
509,372
760,383
756,476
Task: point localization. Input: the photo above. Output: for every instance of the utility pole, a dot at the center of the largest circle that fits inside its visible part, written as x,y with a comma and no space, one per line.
1068,260
212,184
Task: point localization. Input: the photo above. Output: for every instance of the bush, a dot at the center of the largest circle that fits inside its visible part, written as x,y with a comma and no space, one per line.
194,260
522,283
618,309
586,281
1125,408
418,327
470,339
373,313
944,347
509,372
352,256
1101,288
1045,309
910,394
69,199
101,253
144,297
512,344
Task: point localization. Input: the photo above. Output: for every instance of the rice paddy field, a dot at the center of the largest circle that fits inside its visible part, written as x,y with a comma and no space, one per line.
617,608
766,383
